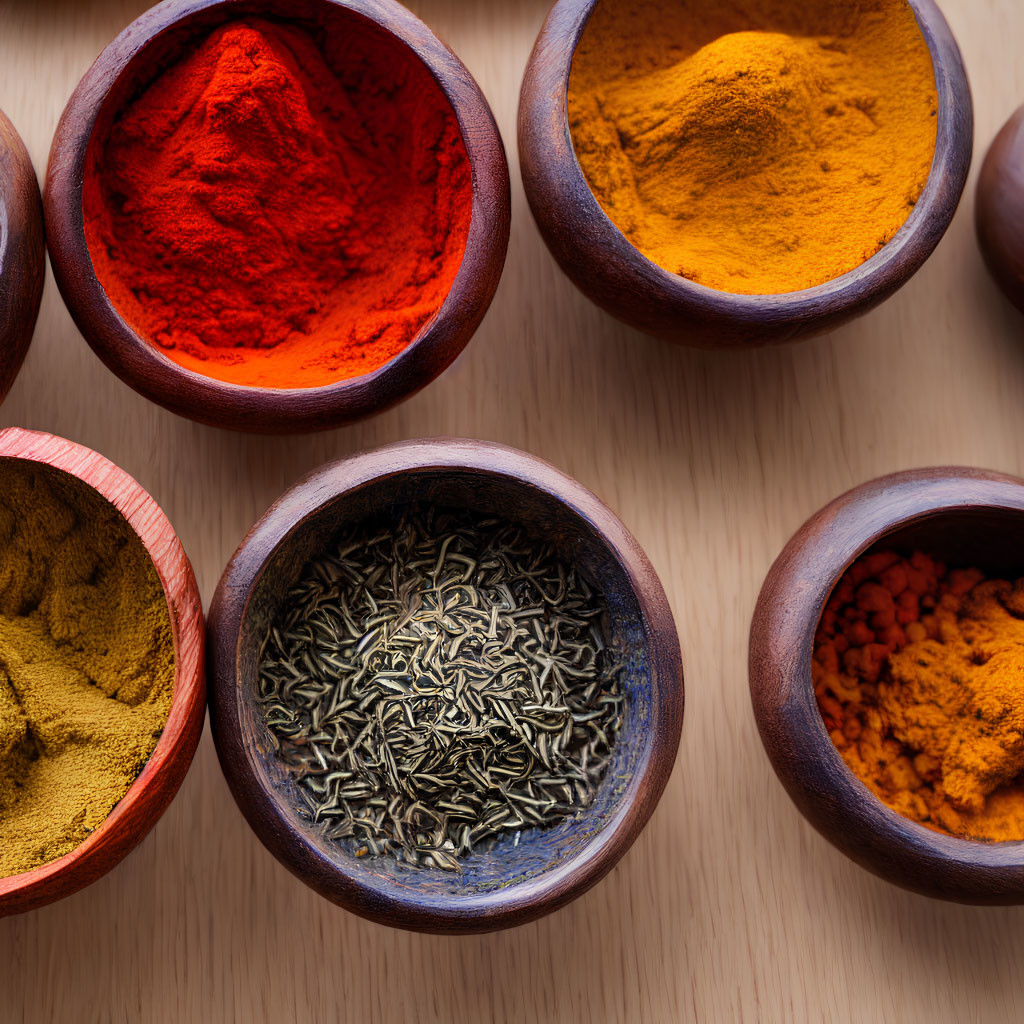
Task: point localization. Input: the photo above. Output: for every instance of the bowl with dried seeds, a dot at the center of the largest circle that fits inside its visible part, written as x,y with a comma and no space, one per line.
447,686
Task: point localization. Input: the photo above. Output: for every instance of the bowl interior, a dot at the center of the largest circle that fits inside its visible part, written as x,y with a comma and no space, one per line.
984,538
576,541
372,61
6,195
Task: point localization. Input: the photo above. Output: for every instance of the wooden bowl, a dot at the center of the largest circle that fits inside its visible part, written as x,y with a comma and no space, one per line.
151,793
22,253
510,884
965,517
129,64
999,210
619,278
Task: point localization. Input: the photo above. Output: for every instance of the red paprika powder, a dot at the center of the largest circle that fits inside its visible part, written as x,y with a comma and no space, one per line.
275,214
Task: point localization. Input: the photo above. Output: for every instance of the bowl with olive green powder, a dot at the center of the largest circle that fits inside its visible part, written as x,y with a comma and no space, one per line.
87,666
752,171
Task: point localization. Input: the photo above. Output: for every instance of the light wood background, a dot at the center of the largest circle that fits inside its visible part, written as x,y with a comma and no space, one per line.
729,906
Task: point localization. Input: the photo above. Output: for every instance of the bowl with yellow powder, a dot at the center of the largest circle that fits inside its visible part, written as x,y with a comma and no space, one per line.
277,216
102,693
22,253
734,174
446,687
887,674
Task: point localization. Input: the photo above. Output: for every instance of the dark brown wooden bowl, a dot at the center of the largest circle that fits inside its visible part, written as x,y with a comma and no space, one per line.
22,253
510,884
999,210
151,793
603,264
128,65
965,517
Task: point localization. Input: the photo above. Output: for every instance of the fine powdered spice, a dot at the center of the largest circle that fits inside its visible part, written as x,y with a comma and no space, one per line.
755,147
275,214
438,681
86,663
919,673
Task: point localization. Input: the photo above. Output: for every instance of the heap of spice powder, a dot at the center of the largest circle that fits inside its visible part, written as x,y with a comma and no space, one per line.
276,215
919,675
755,147
86,663
439,681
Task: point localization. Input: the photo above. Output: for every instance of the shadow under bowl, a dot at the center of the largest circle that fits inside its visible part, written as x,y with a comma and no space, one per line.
151,44
615,275
963,517
151,793
22,253
510,883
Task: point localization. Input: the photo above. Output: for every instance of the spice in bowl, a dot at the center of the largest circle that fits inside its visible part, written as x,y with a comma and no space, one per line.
86,662
759,148
276,214
437,681
919,675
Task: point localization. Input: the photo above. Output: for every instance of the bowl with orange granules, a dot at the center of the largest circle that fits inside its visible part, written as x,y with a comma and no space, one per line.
887,675
277,216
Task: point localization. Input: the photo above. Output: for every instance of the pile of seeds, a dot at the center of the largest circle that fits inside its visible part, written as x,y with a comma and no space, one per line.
438,681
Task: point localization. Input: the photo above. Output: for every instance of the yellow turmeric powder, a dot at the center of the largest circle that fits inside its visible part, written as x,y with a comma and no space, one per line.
86,662
755,147
919,674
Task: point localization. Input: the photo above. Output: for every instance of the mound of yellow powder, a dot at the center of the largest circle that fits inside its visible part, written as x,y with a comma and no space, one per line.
759,161
86,663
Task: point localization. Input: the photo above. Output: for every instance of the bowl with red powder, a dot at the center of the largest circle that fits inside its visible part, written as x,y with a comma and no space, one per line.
276,216
885,672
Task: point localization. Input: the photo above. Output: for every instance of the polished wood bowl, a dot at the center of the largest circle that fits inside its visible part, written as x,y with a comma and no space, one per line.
964,517
22,253
999,209
603,264
128,65
151,793
509,884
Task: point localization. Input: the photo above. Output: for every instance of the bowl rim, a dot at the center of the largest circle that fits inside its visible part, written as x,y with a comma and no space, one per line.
154,788
270,410
802,753
447,914
544,102
22,252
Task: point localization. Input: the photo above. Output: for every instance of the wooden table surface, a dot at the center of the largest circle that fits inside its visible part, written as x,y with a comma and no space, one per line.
729,905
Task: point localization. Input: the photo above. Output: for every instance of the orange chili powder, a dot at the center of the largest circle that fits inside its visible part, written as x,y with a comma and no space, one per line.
278,215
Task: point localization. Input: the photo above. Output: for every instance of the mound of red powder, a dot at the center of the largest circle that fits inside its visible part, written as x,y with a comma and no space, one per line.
277,215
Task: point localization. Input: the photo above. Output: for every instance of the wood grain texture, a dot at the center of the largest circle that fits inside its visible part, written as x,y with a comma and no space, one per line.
964,517
127,66
619,278
151,793
512,883
729,905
